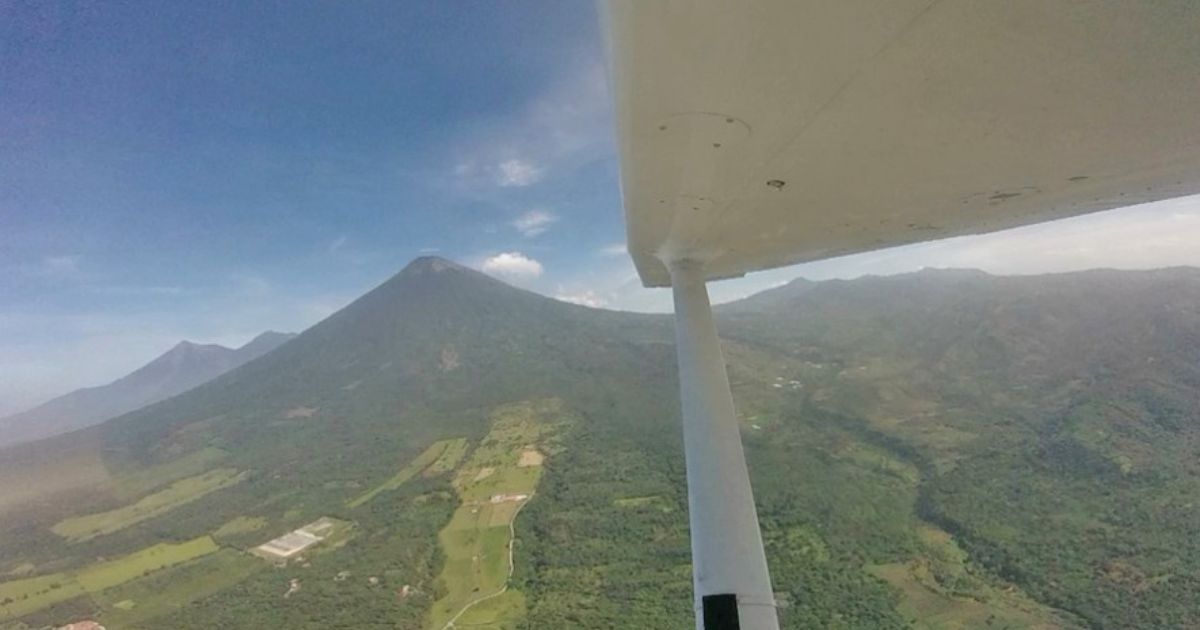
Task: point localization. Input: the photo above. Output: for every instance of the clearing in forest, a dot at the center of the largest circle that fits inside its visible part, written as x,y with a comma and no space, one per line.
454,452
939,592
240,525
292,543
478,540
22,597
136,602
80,528
655,501
441,456
135,482
531,457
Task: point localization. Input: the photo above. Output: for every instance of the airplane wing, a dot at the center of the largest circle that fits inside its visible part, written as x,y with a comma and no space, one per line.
768,132
759,134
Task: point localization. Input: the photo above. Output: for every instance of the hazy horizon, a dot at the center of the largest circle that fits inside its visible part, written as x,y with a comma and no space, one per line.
723,292
131,222
323,315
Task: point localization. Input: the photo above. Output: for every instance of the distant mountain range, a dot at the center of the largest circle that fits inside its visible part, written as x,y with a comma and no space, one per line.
941,449
179,369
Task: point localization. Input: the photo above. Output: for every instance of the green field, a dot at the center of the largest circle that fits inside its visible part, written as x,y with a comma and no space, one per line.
454,452
428,458
136,482
476,541
514,428
653,500
80,528
878,460
494,613
140,600
21,597
476,563
240,525
939,592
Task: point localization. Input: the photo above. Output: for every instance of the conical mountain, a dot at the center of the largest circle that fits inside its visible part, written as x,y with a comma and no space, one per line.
424,355
430,354
936,420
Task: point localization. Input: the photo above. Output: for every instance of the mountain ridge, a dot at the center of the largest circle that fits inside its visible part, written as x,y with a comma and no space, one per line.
186,365
891,424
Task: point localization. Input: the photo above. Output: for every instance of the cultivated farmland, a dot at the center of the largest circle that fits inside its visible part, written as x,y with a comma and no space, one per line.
80,528
21,597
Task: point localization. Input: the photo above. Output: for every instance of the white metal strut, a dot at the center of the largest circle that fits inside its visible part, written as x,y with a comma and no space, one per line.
727,549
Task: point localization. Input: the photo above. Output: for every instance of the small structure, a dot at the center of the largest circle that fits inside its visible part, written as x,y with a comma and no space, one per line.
504,498
293,542
288,544
86,624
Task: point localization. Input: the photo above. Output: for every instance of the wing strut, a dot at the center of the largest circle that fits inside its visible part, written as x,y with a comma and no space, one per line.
729,568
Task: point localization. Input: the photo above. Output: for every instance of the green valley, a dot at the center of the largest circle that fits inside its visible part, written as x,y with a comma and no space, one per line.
938,451
493,486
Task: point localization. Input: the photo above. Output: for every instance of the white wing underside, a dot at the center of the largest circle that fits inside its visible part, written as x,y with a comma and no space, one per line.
759,134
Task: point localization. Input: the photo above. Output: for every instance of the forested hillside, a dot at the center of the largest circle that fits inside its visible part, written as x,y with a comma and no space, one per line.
934,450
1055,419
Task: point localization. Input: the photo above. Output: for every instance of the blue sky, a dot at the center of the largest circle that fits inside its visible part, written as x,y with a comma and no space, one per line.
210,170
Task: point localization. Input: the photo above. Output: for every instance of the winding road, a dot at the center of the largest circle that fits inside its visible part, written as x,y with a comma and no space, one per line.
512,536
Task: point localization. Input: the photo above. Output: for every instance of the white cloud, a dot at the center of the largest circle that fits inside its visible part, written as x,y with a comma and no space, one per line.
513,265
134,290
616,249
346,251
53,267
582,298
337,244
569,124
61,265
250,285
613,284
534,222
517,173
